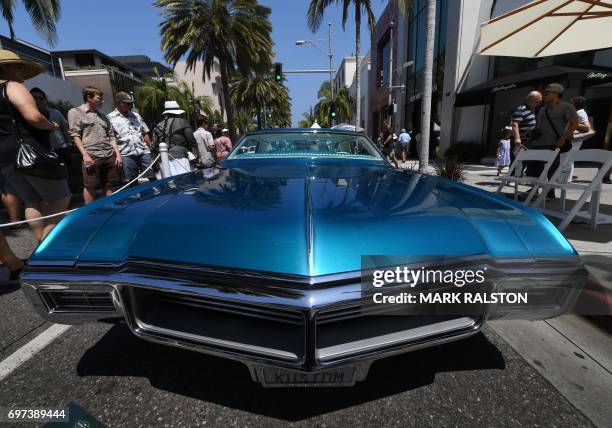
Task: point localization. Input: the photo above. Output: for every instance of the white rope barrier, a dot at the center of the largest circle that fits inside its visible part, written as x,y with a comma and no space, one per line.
15,223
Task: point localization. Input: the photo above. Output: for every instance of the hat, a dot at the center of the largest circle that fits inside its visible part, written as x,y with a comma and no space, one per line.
125,97
172,107
32,68
224,130
555,87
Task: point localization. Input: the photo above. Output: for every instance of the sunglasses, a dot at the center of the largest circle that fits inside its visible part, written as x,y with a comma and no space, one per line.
39,98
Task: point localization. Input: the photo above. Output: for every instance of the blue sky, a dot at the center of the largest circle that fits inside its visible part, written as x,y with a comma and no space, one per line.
128,27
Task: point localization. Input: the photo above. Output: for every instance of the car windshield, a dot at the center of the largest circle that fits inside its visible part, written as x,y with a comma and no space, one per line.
305,144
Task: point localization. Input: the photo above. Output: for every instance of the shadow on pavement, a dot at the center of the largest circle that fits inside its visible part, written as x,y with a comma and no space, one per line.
229,383
488,183
7,287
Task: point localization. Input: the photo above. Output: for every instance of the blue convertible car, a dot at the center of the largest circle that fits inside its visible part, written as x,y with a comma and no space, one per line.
260,259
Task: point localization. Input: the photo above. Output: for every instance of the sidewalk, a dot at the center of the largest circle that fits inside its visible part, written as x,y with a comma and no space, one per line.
594,246
572,354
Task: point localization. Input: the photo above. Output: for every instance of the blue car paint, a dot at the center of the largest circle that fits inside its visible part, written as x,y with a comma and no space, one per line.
302,216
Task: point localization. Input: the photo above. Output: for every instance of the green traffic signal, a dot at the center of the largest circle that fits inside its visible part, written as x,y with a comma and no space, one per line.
278,72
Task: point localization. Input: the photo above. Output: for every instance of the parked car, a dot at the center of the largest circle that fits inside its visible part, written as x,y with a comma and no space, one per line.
260,259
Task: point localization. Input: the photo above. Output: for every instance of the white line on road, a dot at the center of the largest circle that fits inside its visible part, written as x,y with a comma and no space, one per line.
30,349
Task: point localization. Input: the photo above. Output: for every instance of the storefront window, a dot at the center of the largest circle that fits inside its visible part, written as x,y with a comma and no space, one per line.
384,56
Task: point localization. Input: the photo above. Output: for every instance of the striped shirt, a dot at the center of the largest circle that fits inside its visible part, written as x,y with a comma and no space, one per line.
525,119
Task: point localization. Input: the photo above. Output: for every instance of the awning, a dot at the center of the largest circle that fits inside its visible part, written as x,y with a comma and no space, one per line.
483,93
549,27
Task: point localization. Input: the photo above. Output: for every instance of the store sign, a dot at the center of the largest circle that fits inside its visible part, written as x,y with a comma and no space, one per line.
503,88
599,75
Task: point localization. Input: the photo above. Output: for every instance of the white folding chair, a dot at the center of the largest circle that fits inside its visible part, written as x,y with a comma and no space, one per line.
515,171
592,190
577,140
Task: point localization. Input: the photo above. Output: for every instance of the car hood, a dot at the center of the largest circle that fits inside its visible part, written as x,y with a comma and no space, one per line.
302,217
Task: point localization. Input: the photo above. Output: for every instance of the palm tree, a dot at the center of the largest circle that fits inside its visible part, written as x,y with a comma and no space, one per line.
430,34
243,122
251,93
309,119
345,104
316,12
44,16
236,33
151,95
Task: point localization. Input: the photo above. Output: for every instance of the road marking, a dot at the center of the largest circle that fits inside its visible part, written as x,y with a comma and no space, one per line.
27,351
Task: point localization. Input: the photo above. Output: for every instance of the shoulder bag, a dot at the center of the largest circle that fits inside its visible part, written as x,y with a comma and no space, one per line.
567,146
32,157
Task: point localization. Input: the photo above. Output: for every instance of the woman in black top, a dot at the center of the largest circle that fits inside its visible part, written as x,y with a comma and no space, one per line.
42,193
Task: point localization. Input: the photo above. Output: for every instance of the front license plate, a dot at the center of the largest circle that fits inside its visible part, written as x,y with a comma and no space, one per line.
278,377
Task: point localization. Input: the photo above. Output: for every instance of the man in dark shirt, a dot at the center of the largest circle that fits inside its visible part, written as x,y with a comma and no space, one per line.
556,122
175,131
388,145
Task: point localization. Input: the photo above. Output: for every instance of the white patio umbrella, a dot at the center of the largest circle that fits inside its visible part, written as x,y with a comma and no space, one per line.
348,127
549,27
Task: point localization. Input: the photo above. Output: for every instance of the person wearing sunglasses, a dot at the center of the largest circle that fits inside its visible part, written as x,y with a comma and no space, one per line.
60,139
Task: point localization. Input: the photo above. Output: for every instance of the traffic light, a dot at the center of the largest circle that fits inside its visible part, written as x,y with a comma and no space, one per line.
278,72
333,113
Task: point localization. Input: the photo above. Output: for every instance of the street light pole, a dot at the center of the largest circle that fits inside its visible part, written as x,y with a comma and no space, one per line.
392,115
331,56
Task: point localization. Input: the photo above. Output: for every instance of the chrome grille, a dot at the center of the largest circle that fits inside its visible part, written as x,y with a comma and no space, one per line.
78,301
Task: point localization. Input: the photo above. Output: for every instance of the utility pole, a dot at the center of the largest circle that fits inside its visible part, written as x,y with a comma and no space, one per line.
391,115
331,56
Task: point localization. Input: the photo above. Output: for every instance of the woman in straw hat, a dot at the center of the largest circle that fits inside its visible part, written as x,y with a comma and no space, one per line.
43,191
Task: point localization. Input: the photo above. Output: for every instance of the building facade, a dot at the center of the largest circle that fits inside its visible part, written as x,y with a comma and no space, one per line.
383,72
91,67
202,84
345,75
51,80
474,95
364,70
144,65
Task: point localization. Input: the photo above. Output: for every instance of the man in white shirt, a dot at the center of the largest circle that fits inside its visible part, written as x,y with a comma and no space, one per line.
206,143
132,135
404,140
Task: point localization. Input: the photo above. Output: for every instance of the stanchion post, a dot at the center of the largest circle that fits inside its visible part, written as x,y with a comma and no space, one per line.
165,164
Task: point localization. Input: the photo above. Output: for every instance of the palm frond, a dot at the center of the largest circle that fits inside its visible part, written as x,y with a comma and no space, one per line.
44,15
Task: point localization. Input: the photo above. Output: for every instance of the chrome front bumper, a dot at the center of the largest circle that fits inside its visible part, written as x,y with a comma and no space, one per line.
295,323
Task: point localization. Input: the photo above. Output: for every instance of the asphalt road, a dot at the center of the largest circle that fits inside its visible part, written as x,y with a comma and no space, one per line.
124,381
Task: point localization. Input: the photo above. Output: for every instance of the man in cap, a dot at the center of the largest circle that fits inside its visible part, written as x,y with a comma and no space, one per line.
132,136
93,135
176,132
556,122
